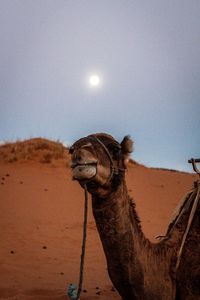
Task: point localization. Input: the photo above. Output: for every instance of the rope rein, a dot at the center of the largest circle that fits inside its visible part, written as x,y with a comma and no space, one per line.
83,242
73,291
191,216
193,161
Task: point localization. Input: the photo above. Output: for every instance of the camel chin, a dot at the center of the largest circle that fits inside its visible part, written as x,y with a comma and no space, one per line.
84,172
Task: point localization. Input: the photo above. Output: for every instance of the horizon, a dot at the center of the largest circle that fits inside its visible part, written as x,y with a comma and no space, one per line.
67,145
144,61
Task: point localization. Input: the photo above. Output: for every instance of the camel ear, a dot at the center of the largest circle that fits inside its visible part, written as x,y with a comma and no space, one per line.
126,148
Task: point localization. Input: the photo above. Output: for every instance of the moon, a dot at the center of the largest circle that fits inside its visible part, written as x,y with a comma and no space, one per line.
94,80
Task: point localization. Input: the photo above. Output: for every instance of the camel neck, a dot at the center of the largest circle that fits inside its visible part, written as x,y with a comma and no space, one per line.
120,234
138,269
117,211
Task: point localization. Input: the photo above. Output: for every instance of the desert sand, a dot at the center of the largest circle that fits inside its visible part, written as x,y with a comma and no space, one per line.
41,217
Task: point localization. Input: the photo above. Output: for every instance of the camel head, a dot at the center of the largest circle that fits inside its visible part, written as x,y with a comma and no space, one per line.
99,161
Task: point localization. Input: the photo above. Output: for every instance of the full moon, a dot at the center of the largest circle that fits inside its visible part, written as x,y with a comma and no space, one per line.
94,80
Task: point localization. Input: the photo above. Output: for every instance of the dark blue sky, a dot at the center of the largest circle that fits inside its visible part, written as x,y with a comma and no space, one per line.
147,54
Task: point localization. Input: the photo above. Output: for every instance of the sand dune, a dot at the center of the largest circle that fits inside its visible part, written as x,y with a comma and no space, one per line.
41,214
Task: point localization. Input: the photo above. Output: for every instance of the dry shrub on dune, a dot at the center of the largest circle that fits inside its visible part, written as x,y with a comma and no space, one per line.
36,149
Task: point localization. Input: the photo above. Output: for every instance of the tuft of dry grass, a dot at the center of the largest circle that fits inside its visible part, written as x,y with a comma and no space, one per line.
36,149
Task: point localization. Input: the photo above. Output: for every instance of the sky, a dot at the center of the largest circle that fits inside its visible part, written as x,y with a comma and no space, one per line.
147,57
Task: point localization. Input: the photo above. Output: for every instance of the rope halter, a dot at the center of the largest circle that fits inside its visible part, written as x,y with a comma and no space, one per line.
113,169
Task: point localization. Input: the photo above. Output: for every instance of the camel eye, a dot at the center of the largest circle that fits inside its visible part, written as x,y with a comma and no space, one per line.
88,145
71,150
114,148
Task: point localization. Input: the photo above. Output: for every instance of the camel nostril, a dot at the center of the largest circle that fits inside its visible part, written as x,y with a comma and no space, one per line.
76,156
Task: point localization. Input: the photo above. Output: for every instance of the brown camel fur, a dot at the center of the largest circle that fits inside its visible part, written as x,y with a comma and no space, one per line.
138,268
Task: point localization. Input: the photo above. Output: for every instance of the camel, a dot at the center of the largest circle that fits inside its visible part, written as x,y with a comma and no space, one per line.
138,268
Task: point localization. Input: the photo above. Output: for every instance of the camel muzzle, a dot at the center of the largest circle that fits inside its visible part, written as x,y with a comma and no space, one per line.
85,171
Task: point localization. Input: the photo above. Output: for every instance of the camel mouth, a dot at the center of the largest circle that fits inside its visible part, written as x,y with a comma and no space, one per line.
85,171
